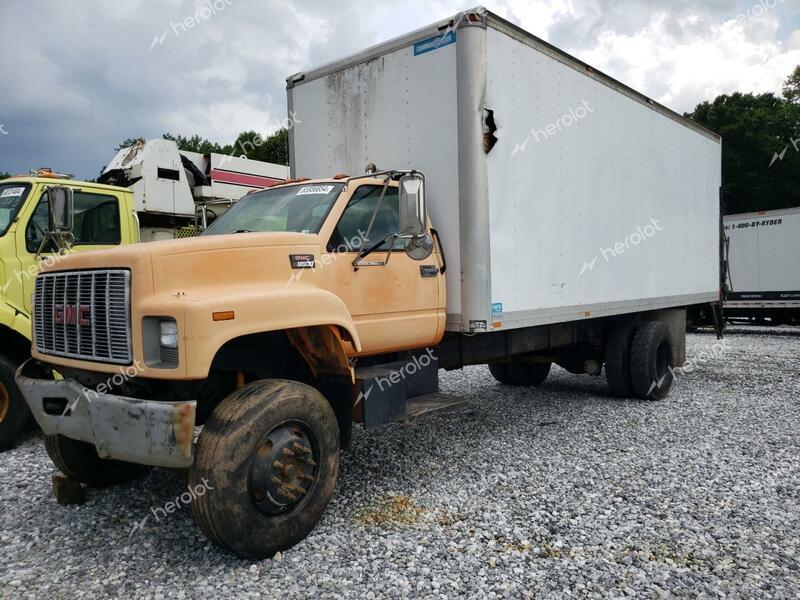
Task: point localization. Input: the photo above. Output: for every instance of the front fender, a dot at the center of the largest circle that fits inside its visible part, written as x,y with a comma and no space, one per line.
257,311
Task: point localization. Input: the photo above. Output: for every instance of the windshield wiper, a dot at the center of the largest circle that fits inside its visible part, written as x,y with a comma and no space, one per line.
242,231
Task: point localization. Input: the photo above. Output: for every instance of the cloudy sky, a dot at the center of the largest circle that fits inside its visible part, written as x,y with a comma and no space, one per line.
81,76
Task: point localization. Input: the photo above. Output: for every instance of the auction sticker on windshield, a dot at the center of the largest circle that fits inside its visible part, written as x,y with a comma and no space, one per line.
12,192
315,189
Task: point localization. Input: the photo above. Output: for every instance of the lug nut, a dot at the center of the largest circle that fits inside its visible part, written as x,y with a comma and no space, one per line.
301,449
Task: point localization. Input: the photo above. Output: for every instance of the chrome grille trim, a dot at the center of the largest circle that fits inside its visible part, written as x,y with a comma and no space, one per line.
104,295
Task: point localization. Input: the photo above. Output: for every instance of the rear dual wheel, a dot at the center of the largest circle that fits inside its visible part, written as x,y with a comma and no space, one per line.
639,360
268,458
519,372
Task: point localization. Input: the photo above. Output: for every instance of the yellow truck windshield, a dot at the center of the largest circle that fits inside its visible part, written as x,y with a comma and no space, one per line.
295,208
12,197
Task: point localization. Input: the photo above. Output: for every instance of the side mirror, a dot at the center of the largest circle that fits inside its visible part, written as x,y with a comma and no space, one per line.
62,209
413,211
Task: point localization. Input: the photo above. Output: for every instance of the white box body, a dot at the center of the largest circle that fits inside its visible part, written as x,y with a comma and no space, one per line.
594,200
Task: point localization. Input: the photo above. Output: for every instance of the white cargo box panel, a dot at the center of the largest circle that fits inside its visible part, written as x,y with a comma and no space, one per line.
593,200
232,177
764,259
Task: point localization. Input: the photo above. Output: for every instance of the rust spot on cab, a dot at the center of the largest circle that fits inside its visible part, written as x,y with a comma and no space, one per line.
183,424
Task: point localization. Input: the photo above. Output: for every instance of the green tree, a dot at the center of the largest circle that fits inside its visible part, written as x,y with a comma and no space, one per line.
127,143
274,148
791,87
194,144
4,175
760,155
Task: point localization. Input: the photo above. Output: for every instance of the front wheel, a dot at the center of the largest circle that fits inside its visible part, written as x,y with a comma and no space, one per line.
268,460
15,416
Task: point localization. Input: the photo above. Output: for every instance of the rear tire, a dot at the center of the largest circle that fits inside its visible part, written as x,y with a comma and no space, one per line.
528,373
15,416
651,361
268,458
500,372
618,359
519,372
80,461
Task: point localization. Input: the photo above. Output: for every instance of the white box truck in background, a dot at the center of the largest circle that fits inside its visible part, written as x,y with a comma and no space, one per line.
764,265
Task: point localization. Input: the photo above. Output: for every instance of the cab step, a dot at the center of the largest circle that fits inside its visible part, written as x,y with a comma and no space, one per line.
399,391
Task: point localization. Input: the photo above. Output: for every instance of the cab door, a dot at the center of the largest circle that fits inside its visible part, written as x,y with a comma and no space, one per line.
396,302
97,226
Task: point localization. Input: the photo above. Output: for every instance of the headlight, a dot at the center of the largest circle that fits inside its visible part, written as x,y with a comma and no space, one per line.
168,332
160,342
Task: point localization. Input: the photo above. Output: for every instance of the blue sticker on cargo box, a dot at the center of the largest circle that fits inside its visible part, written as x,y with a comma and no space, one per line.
497,308
434,43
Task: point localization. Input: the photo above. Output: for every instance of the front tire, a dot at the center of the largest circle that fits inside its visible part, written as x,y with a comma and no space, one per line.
268,459
80,461
15,416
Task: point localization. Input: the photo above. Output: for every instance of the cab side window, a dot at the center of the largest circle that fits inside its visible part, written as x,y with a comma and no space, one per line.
351,232
96,222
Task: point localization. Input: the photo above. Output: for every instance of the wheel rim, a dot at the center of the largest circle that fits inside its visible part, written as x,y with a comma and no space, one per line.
5,401
284,468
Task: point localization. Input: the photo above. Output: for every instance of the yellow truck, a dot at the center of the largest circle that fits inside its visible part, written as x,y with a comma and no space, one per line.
165,193
102,220
245,355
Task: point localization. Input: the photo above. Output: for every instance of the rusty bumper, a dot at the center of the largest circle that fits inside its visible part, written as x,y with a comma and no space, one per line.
139,431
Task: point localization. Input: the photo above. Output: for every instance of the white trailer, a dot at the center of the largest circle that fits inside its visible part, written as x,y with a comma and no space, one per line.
561,194
764,265
173,188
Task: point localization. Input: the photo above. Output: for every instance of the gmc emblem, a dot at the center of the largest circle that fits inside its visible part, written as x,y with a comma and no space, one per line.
72,314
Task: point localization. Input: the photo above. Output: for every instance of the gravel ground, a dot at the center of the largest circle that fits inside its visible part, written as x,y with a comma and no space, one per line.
525,493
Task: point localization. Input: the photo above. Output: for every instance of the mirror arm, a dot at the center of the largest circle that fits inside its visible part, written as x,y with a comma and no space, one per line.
365,253
63,242
375,214
435,234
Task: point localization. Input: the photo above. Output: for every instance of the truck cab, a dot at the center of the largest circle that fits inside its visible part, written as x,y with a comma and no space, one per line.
102,219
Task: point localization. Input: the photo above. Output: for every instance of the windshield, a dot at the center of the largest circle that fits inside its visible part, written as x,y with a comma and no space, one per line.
12,197
296,208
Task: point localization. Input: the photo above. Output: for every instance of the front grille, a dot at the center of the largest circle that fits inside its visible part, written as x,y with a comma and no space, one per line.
84,315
